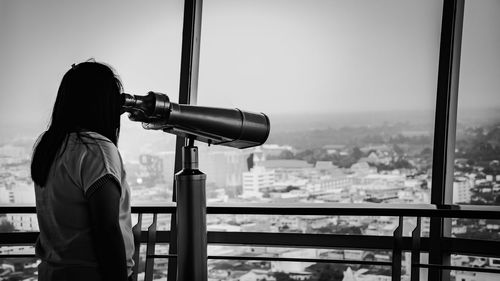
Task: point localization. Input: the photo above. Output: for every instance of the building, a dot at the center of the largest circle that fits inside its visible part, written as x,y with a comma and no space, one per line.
224,167
257,275
462,190
17,193
294,267
257,180
286,169
22,222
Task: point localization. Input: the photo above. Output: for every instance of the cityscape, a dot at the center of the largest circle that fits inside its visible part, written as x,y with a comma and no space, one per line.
382,163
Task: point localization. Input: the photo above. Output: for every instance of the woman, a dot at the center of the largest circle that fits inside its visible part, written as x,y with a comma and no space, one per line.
82,198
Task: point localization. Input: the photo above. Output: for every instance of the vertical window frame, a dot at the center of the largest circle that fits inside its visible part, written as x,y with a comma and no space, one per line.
188,94
445,131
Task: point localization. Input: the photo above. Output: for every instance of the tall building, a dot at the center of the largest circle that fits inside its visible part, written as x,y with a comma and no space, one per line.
255,180
461,190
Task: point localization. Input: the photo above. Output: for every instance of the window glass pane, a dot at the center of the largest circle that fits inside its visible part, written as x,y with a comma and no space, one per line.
477,166
482,229
226,270
478,262
18,223
349,87
18,268
475,261
468,275
342,224
40,42
221,269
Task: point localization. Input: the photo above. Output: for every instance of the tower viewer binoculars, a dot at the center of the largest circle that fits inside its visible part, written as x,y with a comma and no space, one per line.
212,125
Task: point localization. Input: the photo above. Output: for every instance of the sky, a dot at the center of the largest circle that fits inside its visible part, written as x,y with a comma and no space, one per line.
273,56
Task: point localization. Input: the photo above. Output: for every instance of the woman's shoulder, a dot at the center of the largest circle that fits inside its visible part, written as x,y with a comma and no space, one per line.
92,142
92,135
92,147
89,156
89,137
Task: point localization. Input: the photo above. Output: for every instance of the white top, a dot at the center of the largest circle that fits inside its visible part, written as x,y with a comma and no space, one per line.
62,205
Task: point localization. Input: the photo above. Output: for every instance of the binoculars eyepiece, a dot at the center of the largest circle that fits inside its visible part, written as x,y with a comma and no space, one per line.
212,125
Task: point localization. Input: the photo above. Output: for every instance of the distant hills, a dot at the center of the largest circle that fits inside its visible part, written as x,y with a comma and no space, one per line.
297,129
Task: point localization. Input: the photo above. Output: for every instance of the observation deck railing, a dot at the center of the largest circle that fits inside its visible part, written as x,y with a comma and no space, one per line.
396,243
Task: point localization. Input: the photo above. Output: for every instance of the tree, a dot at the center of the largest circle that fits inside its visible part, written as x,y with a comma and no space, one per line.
357,153
6,226
281,276
327,271
402,164
497,200
286,154
339,229
306,155
397,149
344,161
291,187
426,152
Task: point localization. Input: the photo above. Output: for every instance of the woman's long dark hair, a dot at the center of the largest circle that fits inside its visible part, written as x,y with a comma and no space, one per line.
88,99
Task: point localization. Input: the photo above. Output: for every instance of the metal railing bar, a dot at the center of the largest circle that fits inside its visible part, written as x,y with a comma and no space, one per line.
383,263
416,250
167,208
27,238
293,240
466,246
13,256
397,251
162,236
417,210
17,209
494,208
150,249
459,268
362,209
169,256
315,206
301,240
351,206
136,230
18,238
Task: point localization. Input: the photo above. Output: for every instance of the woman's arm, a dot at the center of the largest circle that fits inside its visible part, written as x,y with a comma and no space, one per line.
107,236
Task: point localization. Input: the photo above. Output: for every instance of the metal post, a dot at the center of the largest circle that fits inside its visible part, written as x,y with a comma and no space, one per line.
150,249
397,251
136,230
415,251
191,218
445,131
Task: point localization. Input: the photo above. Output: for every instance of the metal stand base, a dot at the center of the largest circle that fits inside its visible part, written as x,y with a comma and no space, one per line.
191,218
